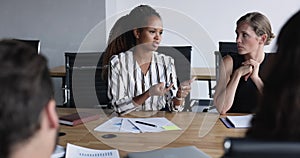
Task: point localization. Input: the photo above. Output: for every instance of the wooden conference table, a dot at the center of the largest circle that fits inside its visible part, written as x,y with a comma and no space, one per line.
203,130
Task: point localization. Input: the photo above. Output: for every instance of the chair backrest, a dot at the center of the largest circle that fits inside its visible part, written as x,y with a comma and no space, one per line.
246,148
179,152
225,48
182,58
85,87
33,43
228,48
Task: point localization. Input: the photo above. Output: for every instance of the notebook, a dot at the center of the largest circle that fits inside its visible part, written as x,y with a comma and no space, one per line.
237,121
181,152
78,118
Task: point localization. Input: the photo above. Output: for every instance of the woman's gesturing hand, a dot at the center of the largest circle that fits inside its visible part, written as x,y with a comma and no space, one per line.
159,89
185,88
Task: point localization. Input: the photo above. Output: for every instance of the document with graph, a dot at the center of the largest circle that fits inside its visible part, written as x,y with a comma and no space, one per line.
137,125
74,151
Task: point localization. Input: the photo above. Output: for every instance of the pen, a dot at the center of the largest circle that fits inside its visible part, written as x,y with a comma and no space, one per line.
135,125
145,123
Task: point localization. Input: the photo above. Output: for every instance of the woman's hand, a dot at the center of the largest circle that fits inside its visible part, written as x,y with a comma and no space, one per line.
184,88
245,70
159,89
254,69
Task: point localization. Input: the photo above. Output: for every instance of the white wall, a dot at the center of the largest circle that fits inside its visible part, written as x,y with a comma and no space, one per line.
60,25
213,18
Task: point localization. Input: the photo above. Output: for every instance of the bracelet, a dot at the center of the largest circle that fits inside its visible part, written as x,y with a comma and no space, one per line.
179,98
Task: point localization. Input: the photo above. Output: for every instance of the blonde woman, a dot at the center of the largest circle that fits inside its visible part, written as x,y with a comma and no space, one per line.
240,81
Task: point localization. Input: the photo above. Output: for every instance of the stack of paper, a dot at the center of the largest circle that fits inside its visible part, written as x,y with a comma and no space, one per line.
137,125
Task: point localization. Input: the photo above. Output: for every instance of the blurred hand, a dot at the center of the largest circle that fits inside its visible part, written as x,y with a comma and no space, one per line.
184,88
159,89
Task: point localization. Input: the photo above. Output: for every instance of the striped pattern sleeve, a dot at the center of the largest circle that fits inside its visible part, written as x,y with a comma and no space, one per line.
117,86
126,81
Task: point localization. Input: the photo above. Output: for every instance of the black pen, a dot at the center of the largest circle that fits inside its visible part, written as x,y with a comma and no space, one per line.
145,123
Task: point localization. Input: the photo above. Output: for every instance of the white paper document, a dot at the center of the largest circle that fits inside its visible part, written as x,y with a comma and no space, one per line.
240,121
128,126
111,125
137,125
74,151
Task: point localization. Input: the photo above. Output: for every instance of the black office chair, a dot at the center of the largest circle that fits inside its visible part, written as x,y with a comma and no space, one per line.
251,148
225,48
31,42
182,57
84,86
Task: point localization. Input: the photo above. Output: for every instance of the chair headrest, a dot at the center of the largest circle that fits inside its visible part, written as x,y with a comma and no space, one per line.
228,47
247,147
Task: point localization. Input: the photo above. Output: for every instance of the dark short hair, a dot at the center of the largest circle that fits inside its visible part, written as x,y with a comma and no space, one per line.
26,88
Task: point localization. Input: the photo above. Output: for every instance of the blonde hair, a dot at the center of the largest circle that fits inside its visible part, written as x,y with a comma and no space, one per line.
260,24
